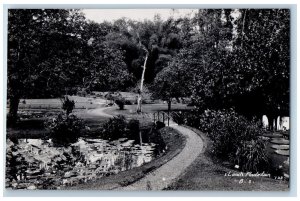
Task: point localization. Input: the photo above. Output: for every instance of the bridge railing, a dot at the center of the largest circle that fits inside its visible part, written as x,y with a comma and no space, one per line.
164,116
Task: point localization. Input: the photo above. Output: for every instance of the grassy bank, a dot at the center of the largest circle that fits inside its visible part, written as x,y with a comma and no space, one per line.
174,142
130,110
208,174
33,127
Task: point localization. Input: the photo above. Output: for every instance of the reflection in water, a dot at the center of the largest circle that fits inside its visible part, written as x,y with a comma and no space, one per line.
37,164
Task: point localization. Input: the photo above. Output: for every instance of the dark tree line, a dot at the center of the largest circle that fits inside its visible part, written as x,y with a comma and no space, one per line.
221,58
237,62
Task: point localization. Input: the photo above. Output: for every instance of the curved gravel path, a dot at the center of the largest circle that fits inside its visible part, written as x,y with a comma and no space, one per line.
99,112
163,176
167,173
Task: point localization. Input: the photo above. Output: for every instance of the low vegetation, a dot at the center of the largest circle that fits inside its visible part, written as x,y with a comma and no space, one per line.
68,105
114,128
121,103
64,129
235,138
118,127
207,174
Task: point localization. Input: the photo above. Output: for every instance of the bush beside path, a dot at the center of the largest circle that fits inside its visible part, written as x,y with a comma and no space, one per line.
206,173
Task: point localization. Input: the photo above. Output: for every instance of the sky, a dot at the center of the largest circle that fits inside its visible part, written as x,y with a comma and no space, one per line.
100,15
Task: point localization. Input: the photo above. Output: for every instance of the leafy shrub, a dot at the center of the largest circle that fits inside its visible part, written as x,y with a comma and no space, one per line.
68,105
117,127
179,117
64,129
234,137
121,103
230,126
114,128
251,156
16,164
128,102
155,136
190,118
133,131
83,93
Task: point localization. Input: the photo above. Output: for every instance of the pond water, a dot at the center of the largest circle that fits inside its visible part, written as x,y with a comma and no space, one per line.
37,164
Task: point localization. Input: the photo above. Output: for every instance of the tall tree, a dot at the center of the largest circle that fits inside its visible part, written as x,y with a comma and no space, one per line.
35,38
172,82
247,69
262,49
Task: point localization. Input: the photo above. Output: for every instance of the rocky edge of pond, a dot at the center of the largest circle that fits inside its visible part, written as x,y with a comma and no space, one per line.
174,141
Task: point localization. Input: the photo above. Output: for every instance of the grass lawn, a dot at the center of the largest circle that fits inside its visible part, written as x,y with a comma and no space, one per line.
34,128
130,110
207,174
31,126
55,103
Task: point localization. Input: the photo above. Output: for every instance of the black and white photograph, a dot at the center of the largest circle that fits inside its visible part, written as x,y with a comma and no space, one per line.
144,99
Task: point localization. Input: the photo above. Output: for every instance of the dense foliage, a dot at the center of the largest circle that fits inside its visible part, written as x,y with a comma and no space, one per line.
68,105
121,103
234,137
118,127
248,70
16,164
222,58
114,128
65,129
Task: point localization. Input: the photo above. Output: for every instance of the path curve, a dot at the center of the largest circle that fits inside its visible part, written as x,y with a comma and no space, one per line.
99,112
167,173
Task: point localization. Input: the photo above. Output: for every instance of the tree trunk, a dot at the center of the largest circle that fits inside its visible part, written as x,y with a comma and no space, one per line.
169,109
140,136
139,104
275,129
139,100
13,110
272,118
269,117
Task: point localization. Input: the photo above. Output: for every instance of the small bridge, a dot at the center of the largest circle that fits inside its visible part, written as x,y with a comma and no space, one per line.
162,116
